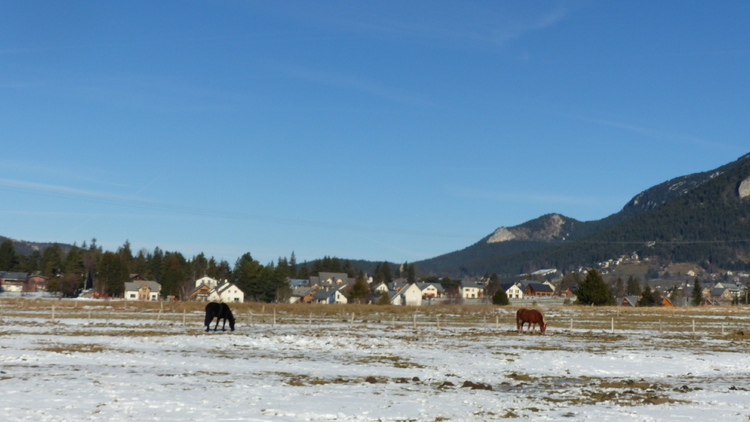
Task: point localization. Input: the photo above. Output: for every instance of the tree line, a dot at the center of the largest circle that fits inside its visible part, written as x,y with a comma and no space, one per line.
90,267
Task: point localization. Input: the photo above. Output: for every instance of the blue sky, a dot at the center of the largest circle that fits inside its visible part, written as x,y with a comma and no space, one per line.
365,130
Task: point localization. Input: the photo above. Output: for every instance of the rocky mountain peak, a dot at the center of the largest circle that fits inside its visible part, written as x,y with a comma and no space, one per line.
548,228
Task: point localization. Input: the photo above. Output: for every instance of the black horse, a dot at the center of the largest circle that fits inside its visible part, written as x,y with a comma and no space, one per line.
219,311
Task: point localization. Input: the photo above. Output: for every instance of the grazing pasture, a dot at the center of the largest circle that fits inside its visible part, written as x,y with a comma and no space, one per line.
96,360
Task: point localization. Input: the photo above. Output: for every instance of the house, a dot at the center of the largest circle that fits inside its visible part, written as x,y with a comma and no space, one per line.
330,296
227,293
720,294
431,290
207,281
410,295
12,281
667,303
398,284
200,294
631,301
569,292
471,290
302,295
36,283
142,290
379,288
512,290
538,289
299,282
325,279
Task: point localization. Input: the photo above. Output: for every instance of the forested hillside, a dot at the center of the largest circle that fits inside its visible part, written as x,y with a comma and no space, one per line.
696,218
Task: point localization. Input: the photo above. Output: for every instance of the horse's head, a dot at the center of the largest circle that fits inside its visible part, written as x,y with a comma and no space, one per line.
543,326
231,321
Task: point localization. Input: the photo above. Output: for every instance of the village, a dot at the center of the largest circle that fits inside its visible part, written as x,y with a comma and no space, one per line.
545,287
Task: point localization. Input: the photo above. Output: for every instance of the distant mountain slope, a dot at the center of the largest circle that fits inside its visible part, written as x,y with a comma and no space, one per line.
23,247
701,207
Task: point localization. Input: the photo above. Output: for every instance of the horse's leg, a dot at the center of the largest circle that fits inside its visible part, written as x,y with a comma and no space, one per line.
216,327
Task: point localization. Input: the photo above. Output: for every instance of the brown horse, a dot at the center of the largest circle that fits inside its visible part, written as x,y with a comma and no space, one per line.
532,317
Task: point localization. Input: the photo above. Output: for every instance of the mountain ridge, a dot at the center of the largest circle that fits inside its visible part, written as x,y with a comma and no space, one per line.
521,244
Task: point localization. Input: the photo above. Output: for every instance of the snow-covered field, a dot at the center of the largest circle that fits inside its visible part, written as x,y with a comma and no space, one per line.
130,368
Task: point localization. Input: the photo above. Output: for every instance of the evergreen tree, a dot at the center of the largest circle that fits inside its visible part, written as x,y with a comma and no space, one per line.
647,297
32,262
156,263
360,290
112,275
500,298
697,293
174,280
385,299
594,291
658,299
140,265
126,252
619,289
8,258
633,286
52,261
74,262
411,275
247,276
281,283
292,266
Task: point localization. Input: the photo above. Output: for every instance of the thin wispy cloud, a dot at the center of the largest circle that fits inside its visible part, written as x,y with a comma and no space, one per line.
348,82
459,24
136,202
522,198
650,132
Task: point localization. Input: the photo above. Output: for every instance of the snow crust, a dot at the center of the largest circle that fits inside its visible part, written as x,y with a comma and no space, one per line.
130,370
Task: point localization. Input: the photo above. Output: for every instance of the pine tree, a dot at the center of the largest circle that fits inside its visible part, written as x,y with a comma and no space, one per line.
697,294
112,275
500,298
647,297
619,290
8,257
633,286
594,291
360,290
52,261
